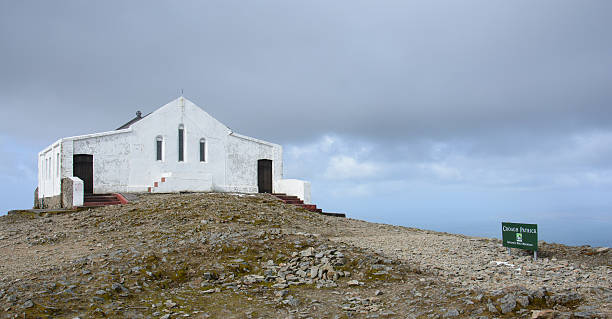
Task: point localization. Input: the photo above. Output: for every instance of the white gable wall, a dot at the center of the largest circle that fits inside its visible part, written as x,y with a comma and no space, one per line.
165,123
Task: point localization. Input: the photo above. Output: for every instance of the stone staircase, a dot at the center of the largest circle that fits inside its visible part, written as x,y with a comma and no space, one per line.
99,200
294,200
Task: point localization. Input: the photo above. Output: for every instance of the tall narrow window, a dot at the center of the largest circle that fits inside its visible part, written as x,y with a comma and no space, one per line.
58,165
181,138
202,150
158,148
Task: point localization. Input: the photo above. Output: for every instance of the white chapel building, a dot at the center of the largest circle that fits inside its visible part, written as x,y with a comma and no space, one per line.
178,147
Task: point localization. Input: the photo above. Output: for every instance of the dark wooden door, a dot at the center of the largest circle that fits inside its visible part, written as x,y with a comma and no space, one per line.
82,167
264,175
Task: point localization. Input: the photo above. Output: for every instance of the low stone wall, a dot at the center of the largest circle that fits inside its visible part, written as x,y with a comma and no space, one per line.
51,202
47,202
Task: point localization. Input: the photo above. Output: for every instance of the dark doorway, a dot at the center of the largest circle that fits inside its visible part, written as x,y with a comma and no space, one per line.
264,175
82,167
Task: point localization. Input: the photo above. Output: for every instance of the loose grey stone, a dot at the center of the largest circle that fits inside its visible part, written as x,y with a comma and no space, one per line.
507,303
523,300
293,302
118,287
28,304
308,252
491,307
564,299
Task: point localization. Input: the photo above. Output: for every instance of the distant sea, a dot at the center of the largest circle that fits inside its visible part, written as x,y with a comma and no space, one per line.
569,221
567,232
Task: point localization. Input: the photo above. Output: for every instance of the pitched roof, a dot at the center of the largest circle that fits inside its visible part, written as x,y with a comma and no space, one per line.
132,121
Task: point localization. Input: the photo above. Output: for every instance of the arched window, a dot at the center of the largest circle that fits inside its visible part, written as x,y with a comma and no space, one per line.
202,150
181,143
159,148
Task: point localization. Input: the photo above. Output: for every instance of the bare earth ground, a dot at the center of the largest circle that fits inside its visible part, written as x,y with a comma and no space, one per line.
251,256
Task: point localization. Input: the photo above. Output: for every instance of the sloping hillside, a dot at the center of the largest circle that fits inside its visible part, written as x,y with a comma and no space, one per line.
252,256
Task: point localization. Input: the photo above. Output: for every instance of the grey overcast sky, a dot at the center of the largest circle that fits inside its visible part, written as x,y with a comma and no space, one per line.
503,108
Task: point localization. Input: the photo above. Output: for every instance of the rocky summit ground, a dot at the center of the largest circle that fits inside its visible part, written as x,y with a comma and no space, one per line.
251,256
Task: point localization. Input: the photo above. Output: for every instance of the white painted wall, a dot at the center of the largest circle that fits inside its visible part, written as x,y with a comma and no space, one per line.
164,122
294,187
49,171
111,154
125,160
242,155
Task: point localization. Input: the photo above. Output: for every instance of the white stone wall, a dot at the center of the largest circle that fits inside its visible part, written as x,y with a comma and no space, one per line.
49,171
125,160
111,165
294,187
165,122
242,156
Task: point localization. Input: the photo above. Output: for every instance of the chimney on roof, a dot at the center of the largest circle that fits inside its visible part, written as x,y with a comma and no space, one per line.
138,114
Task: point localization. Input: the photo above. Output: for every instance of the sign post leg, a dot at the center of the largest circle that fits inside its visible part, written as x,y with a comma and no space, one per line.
535,255
509,251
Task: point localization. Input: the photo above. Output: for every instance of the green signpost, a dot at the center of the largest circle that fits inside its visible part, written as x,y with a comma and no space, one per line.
523,236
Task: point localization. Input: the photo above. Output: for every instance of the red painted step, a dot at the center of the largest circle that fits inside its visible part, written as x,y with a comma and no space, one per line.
294,200
98,204
308,206
98,200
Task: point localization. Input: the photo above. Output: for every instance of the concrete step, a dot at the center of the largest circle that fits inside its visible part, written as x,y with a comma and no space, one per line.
334,214
294,200
288,197
310,207
98,204
98,200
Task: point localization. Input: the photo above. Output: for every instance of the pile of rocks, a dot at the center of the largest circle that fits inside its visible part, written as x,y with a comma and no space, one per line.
361,305
305,267
517,300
